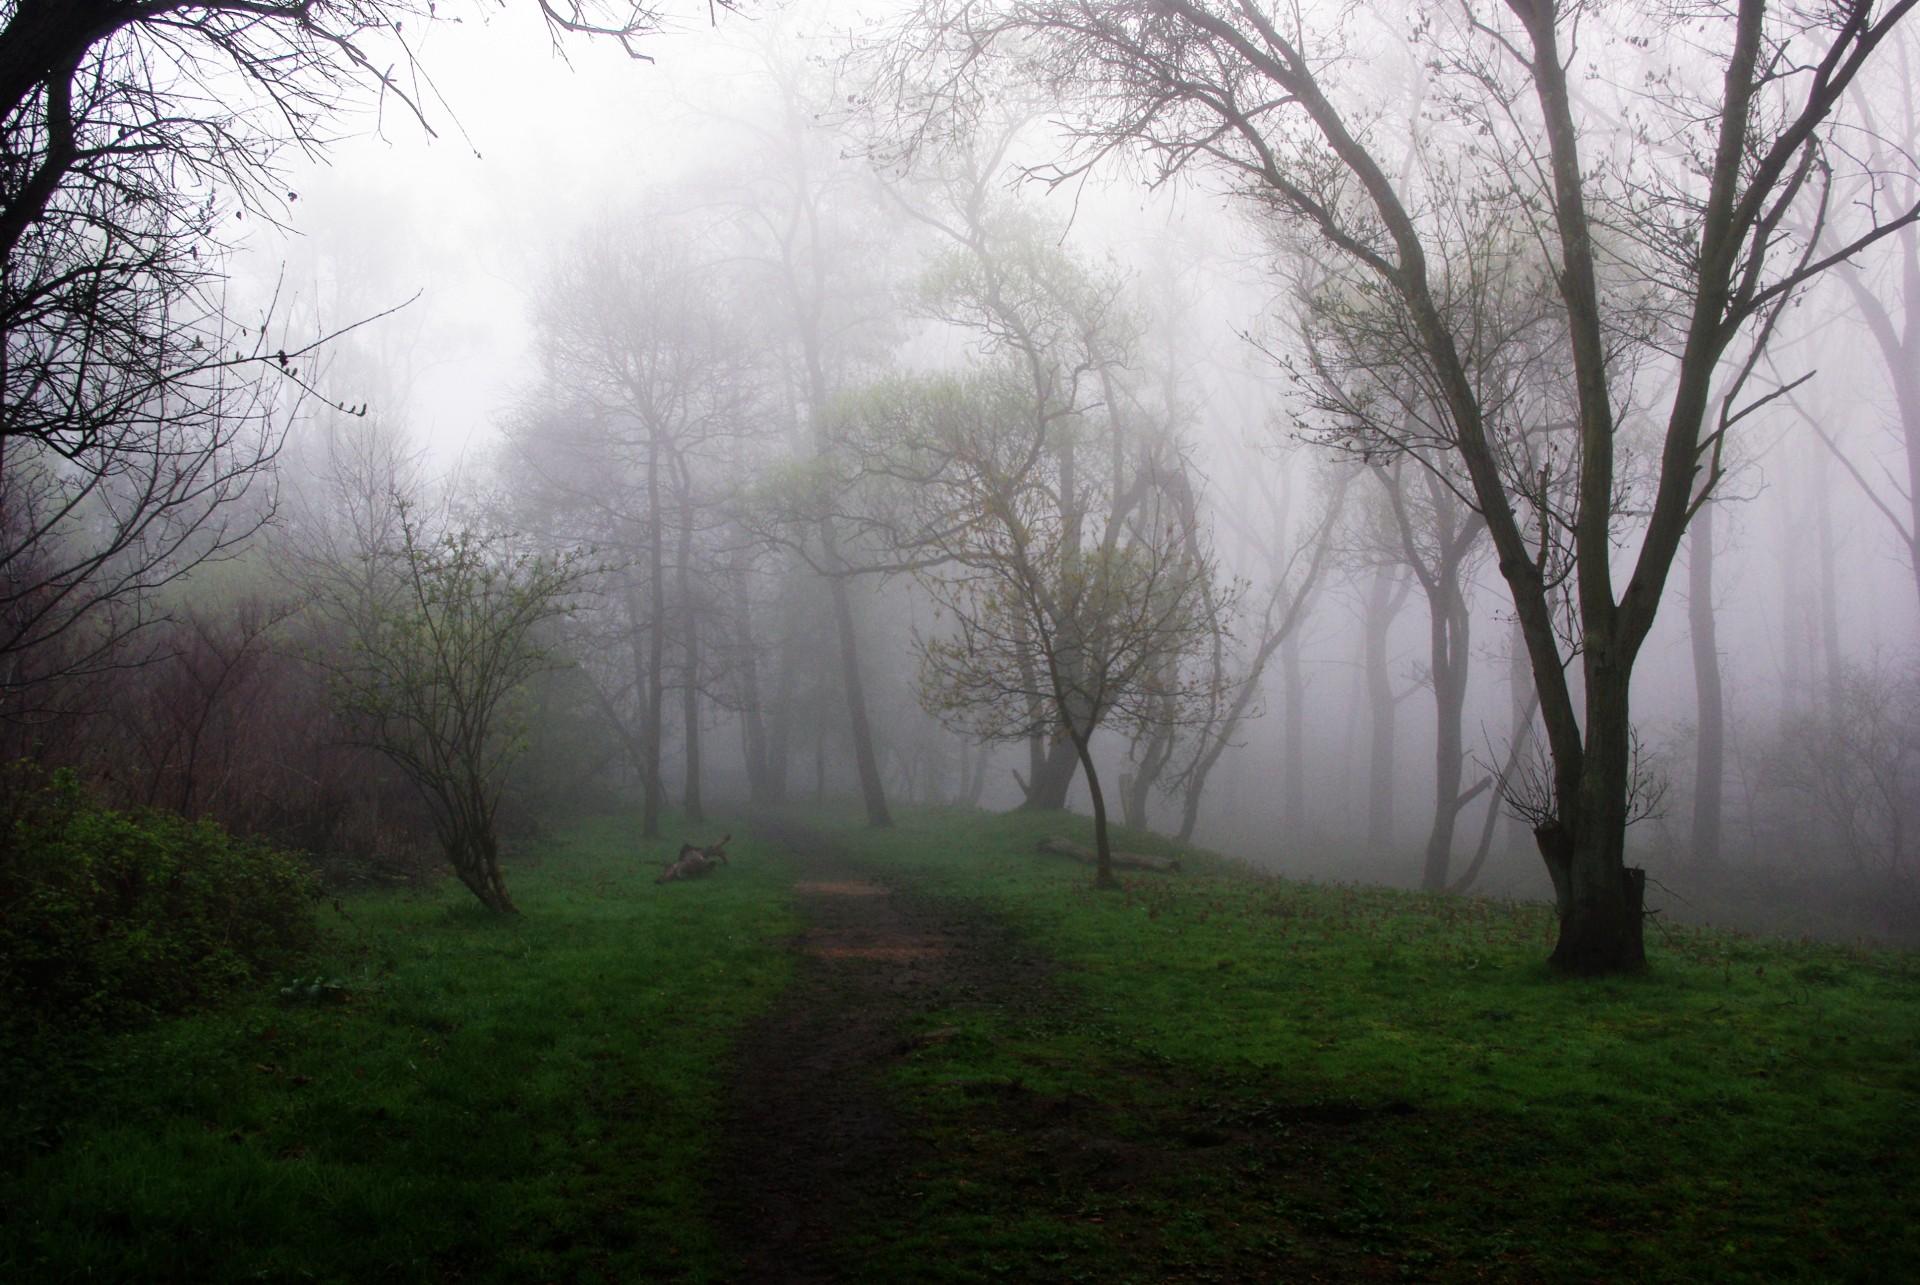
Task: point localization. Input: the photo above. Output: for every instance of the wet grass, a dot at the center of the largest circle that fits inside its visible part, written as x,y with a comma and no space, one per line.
1218,1077
1252,1079
444,1096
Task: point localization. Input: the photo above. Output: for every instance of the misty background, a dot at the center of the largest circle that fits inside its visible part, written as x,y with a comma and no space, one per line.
712,255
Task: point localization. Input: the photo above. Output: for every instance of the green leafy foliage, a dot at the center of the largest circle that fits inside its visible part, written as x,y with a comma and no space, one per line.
111,918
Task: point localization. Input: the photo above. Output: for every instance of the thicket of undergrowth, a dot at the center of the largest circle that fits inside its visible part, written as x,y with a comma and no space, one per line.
110,919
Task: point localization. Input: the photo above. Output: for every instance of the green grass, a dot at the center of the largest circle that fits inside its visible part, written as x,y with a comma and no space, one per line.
1232,1078
461,1098
1359,1082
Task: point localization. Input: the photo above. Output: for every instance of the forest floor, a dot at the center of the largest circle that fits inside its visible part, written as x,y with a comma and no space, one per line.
930,1054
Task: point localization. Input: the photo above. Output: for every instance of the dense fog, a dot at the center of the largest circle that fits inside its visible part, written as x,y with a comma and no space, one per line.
774,352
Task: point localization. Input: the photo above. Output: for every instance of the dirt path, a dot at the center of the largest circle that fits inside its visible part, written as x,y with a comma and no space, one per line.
810,1138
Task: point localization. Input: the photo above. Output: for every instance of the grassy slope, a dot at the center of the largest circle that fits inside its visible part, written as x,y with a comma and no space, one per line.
1412,1094
520,1100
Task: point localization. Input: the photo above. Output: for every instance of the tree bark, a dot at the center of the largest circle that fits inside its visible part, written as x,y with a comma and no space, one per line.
1602,899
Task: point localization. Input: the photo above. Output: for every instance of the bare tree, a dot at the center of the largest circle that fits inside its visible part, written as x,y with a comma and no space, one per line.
139,411
814,231
1662,205
1298,563
646,371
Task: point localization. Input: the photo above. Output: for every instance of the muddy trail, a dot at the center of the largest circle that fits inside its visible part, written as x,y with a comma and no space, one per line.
812,1143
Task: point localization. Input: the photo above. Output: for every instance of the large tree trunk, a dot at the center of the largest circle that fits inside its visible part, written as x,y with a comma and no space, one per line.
1601,900
1047,791
1709,774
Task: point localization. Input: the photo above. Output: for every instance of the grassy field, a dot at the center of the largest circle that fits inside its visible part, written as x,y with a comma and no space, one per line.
1346,1082
1235,1078
457,1098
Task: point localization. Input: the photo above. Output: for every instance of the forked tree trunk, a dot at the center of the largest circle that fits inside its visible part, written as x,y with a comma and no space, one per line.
467,838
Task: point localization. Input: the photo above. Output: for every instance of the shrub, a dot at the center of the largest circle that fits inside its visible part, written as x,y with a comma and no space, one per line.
113,918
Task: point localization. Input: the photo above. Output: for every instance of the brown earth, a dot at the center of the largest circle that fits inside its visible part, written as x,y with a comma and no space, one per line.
811,1143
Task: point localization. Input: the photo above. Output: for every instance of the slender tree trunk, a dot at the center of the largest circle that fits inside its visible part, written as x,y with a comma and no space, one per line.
1829,582
1381,708
656,645
1293,768
1102,845
1795,609
690,674
780,727
753,726
690,711
1448,638
1709,761
872,792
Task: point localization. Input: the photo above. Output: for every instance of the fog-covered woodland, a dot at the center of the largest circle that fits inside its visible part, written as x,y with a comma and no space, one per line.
1469,447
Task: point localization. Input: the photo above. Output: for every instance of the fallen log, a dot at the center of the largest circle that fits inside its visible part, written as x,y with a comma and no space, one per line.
1121,860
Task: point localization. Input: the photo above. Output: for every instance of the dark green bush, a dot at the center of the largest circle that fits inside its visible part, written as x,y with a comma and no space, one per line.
111,918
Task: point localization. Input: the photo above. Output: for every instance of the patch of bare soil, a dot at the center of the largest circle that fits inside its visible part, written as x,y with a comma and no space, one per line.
811,1142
